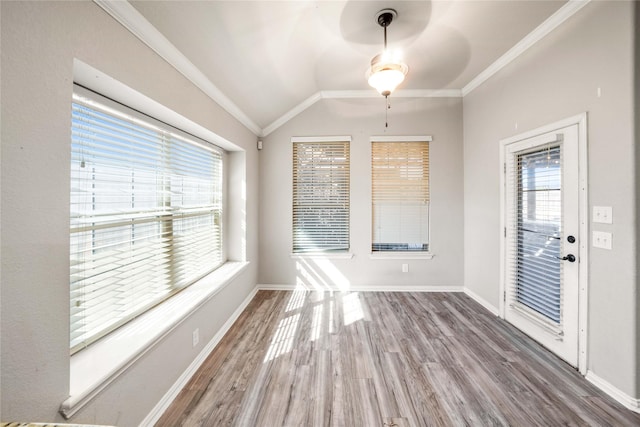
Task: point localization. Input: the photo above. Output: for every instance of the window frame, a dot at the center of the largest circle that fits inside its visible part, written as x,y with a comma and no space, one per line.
89,99
102,363
313,252
400,254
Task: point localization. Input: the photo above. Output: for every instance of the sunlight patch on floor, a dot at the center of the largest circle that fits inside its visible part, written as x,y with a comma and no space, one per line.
283,339
331,328
352,308
316,322
296,301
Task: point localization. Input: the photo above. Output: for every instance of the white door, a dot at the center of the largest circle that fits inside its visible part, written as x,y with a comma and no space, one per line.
542,241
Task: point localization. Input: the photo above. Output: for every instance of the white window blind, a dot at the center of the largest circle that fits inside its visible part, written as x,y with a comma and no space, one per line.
535,272
146,210
400,196
320,196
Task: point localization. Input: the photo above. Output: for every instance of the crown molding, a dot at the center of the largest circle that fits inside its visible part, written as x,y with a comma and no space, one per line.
292,113
348,94
132,20
401,93
555,20
353,94
427,93
551,23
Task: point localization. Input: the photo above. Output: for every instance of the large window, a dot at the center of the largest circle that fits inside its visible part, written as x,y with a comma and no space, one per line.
320,194
146,213
400,195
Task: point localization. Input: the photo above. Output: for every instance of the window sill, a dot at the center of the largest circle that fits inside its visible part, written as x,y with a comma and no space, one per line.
401,255
322,255
95,367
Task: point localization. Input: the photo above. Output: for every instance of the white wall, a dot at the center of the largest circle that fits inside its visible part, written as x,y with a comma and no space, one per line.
361,119
39,41
558,78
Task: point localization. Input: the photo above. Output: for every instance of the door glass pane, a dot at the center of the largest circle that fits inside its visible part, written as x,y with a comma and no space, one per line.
539,231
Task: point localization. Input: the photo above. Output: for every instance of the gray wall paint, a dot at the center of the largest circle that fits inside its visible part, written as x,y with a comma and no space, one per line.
636,77
361,119
555,79
39,43
636,103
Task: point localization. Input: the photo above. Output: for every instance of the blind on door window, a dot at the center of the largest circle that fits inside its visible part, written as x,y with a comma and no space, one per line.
146,210
320,196
400,196
536,273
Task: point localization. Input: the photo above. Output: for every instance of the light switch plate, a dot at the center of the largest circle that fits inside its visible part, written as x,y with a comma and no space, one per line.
603,214
602,240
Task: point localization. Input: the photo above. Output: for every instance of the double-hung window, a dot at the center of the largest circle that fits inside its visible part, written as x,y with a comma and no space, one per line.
146,214
400,194
320,194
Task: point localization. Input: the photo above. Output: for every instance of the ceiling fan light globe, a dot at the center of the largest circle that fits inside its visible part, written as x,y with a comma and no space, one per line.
385,81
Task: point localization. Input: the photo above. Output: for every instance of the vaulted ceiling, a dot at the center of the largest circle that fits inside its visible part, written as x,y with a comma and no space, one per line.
268,60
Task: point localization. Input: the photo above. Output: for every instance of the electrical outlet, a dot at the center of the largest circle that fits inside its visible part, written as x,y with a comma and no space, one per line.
601,240
603,214
196,336
405,268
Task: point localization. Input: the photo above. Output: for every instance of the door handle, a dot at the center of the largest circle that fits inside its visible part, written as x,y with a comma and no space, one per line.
570,258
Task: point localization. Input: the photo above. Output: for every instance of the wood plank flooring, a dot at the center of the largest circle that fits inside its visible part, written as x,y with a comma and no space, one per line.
400,359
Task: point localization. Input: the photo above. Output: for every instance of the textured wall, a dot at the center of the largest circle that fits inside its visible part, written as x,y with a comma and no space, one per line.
557,78
40,41
362,118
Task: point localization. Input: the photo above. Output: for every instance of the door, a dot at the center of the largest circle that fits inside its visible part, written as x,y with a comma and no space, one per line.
542,225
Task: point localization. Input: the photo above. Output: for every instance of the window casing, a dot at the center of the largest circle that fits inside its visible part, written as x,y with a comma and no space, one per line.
400,195
146,214
321,194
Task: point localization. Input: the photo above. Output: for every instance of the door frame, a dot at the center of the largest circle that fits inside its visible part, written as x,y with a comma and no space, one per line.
583,220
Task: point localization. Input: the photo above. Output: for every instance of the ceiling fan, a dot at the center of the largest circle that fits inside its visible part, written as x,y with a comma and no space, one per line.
387,70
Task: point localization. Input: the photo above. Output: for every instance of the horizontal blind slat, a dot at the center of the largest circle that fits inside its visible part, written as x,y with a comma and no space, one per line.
400,195
145,217
321,180
535,275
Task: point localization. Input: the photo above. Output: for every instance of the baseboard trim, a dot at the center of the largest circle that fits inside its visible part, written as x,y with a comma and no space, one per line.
617,394
624,399
483,302
276,287
365,288
182,381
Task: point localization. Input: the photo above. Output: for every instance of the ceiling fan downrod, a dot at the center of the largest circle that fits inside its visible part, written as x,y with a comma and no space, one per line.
384,18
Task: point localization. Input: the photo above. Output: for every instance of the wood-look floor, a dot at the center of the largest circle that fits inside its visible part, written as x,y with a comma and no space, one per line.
384,359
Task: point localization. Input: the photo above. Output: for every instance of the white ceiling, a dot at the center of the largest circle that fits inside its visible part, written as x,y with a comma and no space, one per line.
268,57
